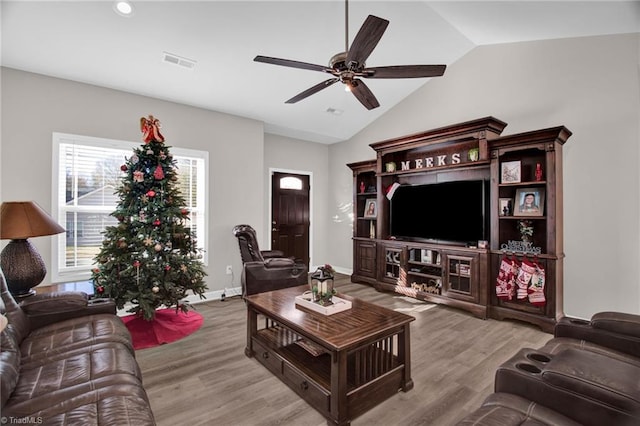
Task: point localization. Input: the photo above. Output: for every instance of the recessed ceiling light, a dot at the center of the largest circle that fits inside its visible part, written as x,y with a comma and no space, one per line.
123,8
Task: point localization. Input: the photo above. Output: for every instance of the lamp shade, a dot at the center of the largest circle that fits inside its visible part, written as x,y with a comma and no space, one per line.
20,220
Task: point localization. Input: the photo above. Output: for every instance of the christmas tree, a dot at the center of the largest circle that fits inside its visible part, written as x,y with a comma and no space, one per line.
150,257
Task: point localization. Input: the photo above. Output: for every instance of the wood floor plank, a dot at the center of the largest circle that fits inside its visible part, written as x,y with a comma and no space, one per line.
205,378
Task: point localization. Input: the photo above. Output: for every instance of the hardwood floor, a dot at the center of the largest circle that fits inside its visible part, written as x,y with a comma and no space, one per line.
205,379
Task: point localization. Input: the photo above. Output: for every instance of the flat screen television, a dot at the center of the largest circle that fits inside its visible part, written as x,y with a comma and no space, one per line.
447,212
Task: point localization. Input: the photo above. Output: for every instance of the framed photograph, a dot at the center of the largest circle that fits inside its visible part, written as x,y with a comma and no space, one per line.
371,208
465,269
529,202
511,172
505,207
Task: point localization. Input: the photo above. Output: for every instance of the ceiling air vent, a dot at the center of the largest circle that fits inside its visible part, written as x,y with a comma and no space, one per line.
173,59
334,111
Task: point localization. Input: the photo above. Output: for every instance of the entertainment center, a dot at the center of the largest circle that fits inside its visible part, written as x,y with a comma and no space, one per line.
465,217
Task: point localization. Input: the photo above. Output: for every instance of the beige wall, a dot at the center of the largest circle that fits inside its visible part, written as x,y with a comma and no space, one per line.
34,106
590,85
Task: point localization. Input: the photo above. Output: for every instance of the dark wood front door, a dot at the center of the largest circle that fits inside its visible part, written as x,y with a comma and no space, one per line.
290,215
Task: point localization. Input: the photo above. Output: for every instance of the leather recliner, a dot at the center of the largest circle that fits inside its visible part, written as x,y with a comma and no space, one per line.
266,270
589,372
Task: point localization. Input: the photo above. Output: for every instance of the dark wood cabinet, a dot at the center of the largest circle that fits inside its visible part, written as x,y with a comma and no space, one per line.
465,275
364,260
538,156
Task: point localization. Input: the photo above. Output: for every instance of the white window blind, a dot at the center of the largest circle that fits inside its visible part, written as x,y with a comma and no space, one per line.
86,175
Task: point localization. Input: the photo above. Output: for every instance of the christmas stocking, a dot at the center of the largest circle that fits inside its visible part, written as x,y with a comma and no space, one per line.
505,281
536,289
524,277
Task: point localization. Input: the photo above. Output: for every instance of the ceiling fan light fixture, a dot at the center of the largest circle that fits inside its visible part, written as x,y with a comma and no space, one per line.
123,8
349,67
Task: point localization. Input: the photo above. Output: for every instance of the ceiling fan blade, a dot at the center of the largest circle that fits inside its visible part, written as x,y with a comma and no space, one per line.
404,71
363,94
366,40
310,91
289,63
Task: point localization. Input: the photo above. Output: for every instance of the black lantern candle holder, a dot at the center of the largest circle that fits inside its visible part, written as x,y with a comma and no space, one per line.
322,290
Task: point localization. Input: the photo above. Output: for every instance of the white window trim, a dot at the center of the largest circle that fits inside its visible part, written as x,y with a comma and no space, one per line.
57,243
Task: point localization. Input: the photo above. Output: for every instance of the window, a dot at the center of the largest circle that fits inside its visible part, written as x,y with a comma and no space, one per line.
86,173
290,182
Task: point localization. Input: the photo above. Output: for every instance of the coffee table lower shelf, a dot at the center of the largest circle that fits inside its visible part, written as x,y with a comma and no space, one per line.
373,372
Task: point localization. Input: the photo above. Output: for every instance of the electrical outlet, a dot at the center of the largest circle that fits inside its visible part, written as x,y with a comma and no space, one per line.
229,270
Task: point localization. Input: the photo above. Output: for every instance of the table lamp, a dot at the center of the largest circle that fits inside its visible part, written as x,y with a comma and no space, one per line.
21,263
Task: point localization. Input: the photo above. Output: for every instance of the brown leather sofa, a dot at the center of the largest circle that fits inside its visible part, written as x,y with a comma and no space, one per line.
588,373
266,270
68,360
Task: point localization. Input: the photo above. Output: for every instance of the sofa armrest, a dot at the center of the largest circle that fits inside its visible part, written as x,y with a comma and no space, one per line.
47,308
267,254
279,262
257,277
614,330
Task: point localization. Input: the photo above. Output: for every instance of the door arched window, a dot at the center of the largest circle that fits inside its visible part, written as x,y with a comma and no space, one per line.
290,182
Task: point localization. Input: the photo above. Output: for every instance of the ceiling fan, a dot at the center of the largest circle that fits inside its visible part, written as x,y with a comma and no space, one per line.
349,66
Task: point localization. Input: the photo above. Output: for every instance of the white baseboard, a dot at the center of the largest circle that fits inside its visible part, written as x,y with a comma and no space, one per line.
194,299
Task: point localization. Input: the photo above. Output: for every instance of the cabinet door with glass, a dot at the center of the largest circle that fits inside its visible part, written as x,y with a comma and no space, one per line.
461,276
391,260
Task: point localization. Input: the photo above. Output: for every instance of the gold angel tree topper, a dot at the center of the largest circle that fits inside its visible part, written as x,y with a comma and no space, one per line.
150,128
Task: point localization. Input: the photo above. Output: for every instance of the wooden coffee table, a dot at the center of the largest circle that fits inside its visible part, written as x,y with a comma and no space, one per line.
342,364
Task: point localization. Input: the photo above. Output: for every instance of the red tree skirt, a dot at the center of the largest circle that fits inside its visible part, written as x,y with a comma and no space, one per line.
167,327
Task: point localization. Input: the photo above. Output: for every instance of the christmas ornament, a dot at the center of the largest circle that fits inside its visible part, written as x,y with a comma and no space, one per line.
134,159
158,247
156,222
151,193
163,155
100,289
147,241
167,267
184,212
124,167
138,176
136,263
144,198
158,174
122,244
155,289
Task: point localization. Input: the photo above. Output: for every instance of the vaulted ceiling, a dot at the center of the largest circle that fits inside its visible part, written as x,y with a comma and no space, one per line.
88,42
